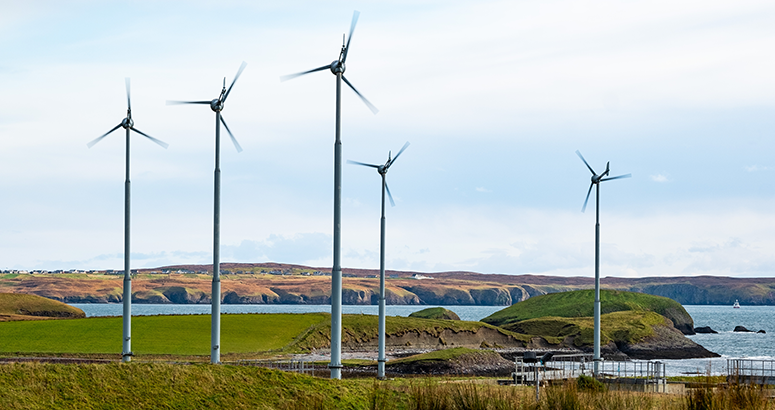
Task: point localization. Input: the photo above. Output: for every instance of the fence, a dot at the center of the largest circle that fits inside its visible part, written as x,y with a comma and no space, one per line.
296,366
563,367
569,366
751,371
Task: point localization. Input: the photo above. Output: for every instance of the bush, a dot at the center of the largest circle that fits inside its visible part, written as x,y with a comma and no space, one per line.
589,383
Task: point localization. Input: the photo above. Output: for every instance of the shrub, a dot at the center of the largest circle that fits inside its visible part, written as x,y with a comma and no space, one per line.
589,383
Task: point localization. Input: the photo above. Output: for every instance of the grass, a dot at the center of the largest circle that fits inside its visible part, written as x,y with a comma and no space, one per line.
580,303
168,335
24,304
167,386
360,328
189,335
435,313
627,326
164,386
443,355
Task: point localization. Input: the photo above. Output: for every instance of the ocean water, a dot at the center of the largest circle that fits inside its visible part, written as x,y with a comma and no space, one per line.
720,318
473,313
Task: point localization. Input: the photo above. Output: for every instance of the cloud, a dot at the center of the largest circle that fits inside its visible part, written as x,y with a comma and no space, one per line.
659,178
482,189
297,248
755,168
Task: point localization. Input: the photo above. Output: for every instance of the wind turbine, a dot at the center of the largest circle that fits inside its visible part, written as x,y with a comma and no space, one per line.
217,106
382,170
128,124
596,180
337,67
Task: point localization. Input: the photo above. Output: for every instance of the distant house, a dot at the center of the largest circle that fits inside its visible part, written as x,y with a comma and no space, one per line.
418,276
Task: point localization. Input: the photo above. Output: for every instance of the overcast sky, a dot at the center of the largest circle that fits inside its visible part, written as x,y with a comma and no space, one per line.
494,98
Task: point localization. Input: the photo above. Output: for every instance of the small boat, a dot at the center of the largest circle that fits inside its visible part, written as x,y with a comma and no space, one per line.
736,305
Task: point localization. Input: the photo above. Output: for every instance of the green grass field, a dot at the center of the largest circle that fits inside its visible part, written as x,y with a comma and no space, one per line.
164,335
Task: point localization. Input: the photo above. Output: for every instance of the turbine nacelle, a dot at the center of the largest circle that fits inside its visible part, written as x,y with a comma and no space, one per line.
216,105
127,122
337,67
597,179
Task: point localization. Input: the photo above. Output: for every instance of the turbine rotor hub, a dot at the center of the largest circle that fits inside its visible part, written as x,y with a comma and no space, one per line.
216,105
127,123
337,67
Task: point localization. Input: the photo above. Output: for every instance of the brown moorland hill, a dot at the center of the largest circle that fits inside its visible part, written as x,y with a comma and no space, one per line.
300,285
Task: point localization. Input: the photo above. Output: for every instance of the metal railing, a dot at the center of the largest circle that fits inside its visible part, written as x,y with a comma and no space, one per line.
643,370
564,367
296,366
568,366
751,371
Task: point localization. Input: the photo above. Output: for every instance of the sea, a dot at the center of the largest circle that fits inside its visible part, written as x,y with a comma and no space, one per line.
723,319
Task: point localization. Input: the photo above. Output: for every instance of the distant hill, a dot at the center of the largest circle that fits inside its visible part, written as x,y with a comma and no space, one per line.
581,304
19,306
435,313
276,283
634,324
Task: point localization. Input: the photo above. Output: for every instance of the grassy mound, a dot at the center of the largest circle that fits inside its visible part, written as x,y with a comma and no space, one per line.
453,354
580,303
165,386
14,305
435,313
620,327
363,328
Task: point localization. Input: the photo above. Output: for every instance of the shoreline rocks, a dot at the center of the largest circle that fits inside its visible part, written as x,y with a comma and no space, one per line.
742,329
704,329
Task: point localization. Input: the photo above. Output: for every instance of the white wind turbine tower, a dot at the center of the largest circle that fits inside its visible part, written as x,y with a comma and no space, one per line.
128,124
217,106
337,68
382,170
596,180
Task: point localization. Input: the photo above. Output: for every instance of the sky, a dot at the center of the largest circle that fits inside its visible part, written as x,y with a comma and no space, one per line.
494,97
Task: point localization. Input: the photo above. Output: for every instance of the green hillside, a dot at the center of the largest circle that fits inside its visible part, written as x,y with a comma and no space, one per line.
580,303
435,313
620,327
13,304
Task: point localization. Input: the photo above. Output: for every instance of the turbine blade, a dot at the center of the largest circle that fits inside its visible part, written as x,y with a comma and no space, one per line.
128,100
292,76
171,102
399,152
239,72
584,208
356,13
233,140
390,197
160,142
619,177
362,163
585,162
365,101
98,139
